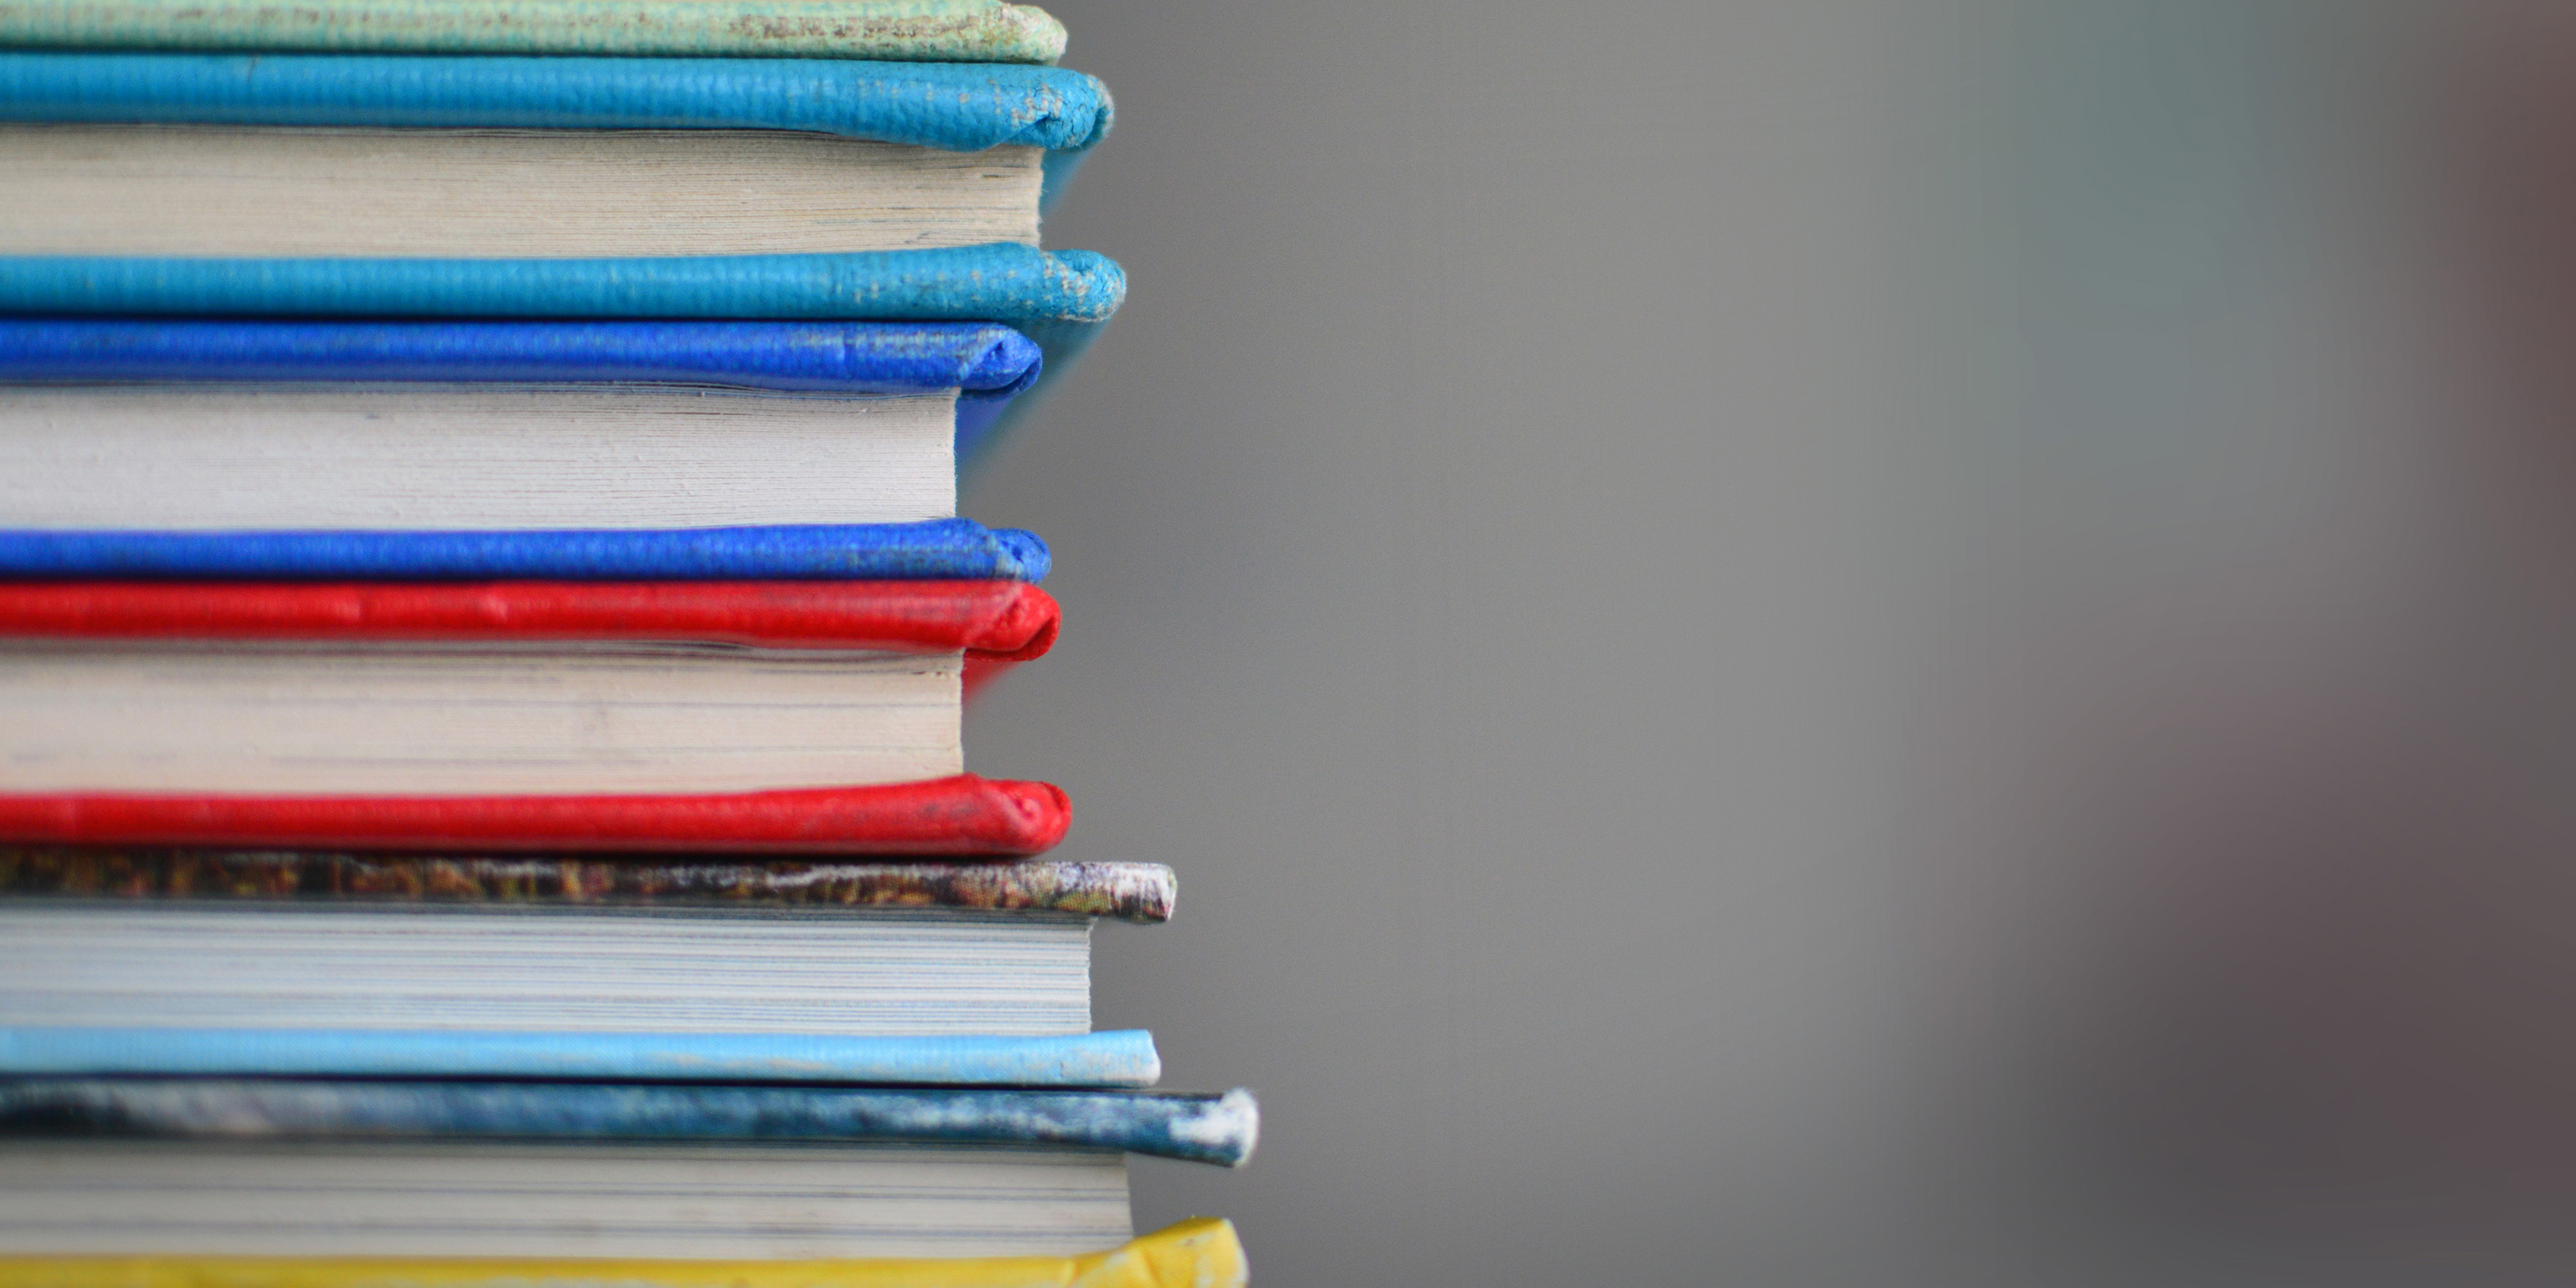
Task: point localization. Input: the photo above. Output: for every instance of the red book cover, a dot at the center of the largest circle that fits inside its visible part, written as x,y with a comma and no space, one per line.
996,623
961,816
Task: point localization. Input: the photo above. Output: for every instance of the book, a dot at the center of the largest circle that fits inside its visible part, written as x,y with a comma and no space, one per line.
544,689
646,945
282,155
927,30
174,423
420,1168
1203,1252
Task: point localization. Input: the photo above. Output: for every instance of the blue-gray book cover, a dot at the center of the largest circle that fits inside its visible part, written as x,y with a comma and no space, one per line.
1207,1128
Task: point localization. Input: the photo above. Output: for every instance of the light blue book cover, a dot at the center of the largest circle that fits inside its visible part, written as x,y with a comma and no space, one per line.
958,107
1120,1058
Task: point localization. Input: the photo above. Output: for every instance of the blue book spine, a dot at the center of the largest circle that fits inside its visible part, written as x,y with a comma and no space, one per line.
1059,299
938,550
1016,285
1221,1129
1123,1058
984,361
959,107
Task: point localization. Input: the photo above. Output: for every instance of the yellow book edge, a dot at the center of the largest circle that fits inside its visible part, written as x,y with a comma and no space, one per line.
1199,1253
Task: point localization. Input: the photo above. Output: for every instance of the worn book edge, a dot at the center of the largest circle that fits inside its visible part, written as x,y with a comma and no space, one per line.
1134,892
1200,1127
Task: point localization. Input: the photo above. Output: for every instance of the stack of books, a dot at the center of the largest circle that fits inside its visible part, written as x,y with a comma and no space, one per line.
484,625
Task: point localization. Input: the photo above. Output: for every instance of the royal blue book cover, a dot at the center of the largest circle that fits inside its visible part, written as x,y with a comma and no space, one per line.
1221,1129
1121,1058
934,550
987,364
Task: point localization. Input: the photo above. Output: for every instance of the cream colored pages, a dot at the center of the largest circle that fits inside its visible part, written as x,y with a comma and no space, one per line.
181,457
255,192
426,719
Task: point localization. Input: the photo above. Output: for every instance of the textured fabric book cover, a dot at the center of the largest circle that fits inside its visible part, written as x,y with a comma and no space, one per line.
1122,1058
936,550
1134,892
1003,620
1049,296
960,31
1204,1128
979,360
957,107
1059,299
959,816
986,363
997,624
1199,1253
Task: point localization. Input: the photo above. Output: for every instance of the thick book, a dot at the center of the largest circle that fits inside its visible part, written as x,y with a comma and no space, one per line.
181,1167
961,31
112,422
507,689
182,940
1202,1252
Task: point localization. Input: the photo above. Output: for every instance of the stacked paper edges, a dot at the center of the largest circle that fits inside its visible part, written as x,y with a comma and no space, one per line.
485,622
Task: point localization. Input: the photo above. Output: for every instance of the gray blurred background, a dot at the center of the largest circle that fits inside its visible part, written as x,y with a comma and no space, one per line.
1833,641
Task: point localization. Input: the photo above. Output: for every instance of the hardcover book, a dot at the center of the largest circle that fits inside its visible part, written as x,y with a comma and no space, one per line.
636,950
241,1168
169,423
815,717
299,154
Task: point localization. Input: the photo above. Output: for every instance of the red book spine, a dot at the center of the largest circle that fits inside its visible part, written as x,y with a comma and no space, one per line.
998,621
961,816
